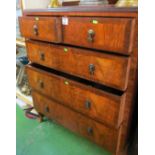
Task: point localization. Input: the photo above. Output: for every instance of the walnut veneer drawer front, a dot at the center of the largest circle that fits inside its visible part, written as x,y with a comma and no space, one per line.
109,70
76,122
41,28
110,34
97,104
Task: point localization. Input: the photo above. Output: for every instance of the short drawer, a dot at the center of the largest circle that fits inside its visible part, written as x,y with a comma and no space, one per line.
41,28
99,105
97,132
107,69
109,34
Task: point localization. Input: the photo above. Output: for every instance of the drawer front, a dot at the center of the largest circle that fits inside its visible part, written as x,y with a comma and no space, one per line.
76,122
41,28
97,104
109,70
110,34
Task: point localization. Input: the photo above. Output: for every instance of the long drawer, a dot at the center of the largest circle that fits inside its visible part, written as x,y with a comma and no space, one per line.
110,70
76,122
41,28
97,104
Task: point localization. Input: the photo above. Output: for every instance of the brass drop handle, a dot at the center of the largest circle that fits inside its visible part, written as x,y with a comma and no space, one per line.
87,104
90,130
41,84
35,29
42,56
91,35
47,109
91,68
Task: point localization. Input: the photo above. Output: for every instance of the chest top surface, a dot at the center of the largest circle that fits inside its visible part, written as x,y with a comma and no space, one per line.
98,11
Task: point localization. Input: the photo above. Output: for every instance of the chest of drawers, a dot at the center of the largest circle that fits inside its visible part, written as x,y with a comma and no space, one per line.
83,70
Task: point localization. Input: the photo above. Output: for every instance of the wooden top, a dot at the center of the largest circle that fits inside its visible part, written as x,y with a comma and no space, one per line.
84,11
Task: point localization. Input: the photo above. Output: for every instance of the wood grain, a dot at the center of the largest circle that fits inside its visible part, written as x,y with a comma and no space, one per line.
111,34
63,58
114,51
76,122
104,107
131,93
49,29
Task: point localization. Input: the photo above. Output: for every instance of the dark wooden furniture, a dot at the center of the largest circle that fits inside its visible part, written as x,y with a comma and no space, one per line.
112,1
83,70
70,3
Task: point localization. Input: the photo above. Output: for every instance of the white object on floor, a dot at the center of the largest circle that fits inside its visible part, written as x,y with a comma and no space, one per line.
34,111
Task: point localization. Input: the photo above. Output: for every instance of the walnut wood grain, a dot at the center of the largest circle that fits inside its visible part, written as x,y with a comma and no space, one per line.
76,122
41,28
63,58
110,34
104,107
131,93
119,107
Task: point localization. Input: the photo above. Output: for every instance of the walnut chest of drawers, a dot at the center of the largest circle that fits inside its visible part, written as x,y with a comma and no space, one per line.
83,69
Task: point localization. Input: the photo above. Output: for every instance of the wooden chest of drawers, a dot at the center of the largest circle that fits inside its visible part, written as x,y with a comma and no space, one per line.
83,70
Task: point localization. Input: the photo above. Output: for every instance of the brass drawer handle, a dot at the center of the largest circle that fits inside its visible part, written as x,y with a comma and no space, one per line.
91,69
41,84
91,35
87,104
35,29
90,130
42,56
47,109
